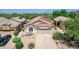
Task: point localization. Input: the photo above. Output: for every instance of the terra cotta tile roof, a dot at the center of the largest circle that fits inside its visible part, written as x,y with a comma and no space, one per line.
38,20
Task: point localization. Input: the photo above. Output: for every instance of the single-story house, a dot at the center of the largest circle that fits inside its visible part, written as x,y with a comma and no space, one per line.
10,26
60,19
2,19
20,20
39,25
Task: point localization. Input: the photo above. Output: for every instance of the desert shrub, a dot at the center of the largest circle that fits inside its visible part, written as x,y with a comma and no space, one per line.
58,36
31,45
16,39
19,45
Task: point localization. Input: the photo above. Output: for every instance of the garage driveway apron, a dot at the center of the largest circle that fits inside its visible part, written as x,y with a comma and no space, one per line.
44,41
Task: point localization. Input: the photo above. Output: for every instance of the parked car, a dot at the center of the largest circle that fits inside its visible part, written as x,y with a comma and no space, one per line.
4,40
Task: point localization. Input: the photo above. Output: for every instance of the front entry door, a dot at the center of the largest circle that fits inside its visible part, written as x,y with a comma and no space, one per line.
30,29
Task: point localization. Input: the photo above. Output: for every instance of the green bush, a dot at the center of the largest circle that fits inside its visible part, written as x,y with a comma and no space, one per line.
31,45
19,45
16,39
58,36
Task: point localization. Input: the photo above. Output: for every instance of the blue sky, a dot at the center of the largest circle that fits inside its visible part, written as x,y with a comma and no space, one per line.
30,10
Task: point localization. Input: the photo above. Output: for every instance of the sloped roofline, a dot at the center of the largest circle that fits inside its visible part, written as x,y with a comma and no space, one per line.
39,18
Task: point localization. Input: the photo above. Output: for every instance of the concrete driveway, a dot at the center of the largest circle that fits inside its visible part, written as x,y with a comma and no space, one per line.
44,41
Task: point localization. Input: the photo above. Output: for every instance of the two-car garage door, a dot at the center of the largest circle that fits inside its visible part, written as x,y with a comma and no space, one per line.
43,31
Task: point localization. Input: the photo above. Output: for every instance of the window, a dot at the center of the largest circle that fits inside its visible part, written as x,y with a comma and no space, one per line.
30,29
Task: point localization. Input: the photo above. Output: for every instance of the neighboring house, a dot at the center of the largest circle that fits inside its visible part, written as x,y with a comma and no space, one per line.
20,20
2,19
39,25
60,19
10,26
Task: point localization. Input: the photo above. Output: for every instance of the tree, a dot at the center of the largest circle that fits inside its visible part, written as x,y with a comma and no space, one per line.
63,12
77,14
55,14
71,27
72,14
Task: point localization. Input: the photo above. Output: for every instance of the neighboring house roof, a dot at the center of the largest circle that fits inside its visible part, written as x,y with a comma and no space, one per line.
18,19
12,23
61,18
2,20
27,21
40,21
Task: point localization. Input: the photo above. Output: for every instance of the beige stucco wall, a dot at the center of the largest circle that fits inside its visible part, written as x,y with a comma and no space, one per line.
35,30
